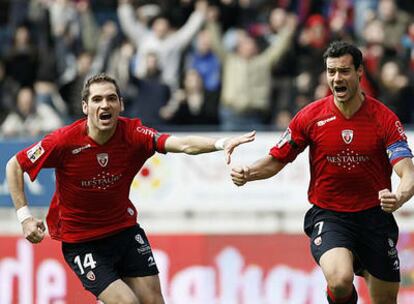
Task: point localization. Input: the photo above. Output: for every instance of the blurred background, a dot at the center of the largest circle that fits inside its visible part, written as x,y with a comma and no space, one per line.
215,68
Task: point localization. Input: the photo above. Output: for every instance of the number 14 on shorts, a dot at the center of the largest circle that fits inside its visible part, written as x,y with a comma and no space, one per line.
88,261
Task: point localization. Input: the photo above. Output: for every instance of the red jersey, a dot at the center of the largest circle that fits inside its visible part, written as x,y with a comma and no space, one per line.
91,199
348,157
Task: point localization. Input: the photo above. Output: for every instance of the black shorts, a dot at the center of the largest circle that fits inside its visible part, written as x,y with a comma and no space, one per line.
371,235
100,262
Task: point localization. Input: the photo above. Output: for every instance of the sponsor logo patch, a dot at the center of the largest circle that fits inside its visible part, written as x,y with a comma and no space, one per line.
80,149
102,159
145,131
321,123
35,152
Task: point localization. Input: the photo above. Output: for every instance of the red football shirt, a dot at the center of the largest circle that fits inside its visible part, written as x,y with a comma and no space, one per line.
92,180
348,157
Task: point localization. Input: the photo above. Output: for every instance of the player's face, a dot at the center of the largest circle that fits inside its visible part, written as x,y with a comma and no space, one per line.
103,107
343,79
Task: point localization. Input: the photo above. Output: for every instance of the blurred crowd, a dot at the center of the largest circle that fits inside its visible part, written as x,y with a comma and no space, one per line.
226,65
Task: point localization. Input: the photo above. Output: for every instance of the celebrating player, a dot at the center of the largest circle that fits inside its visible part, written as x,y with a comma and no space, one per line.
95,160
354,143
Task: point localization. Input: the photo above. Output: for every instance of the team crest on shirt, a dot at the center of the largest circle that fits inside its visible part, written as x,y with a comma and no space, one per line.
35,152
347,136
102,159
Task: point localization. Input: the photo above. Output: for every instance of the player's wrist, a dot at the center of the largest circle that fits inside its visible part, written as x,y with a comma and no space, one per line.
23,214
219,144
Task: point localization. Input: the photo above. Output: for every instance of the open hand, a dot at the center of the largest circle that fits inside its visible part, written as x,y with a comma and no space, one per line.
231,143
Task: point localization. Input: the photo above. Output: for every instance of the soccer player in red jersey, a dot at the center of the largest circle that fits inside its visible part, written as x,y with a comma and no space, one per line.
354,143
95,161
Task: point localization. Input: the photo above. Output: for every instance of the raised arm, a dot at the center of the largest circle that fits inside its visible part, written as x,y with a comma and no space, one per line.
263,168
132,28
200,144
274,53
392,201
185,34
33,229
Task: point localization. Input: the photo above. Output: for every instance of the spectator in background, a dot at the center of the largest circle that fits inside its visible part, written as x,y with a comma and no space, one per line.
340,20
152,94
160,39
29,117
395,22
64,20
120,65
205,62
22,58
89,29
8,89
396,91
407,42
284,70
87,64
193,105
70,91
363,11
247,76
312,40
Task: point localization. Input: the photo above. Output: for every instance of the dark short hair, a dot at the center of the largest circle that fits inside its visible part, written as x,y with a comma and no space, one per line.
340,48
102,77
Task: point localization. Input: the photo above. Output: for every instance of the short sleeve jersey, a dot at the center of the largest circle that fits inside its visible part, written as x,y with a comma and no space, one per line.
91,198
348,157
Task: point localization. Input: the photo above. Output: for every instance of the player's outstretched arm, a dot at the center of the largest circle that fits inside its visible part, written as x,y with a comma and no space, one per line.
33,229
392,201
200,144
263,168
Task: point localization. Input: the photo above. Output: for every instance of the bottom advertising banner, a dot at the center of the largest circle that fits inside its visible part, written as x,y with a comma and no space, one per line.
197,269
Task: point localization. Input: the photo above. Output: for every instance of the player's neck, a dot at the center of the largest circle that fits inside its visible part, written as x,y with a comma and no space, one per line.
350,107
98,136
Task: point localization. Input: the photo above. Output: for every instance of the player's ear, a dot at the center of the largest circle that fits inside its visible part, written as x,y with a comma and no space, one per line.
121,100
360,72
84,107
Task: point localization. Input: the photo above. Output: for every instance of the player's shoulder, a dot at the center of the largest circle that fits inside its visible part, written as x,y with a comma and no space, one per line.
317,109
133,129
69,132
128,122
378,109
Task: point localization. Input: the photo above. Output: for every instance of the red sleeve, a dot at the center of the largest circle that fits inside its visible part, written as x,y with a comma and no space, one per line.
292,142
149,138
42,154
160,143
394,132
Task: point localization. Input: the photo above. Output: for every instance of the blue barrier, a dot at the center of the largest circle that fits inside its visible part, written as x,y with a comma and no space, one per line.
40,191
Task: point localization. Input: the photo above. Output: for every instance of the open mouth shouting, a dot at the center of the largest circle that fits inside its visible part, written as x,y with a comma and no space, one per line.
340,91
105,117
